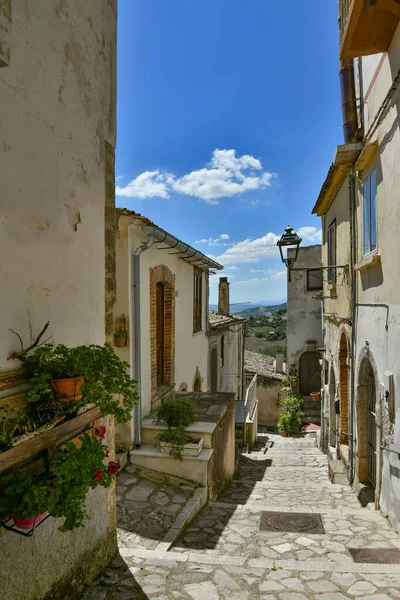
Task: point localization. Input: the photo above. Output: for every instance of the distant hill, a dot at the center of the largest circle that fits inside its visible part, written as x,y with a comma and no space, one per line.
262,311
272,305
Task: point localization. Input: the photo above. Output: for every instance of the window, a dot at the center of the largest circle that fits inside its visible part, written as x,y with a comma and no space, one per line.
369,194
331,241
314,279
197,300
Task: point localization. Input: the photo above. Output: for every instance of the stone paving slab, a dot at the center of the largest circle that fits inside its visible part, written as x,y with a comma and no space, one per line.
222,554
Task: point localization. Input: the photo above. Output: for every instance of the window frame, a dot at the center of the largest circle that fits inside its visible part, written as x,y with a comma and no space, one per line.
312,287
331,251
197,299
372,203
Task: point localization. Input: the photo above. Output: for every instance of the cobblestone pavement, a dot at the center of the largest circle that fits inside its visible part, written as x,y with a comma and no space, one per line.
223,554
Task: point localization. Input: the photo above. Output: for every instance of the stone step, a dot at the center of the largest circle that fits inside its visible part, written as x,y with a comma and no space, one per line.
193,468
199,429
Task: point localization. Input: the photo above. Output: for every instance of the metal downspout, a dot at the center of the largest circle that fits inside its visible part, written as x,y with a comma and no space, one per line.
136,327
353,254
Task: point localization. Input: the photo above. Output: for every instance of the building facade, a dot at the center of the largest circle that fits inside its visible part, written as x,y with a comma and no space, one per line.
359,207
304,324
57,113
162,299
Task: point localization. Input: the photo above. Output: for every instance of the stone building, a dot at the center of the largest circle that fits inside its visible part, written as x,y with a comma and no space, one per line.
227,337
304,324
359,207
269,385
57,114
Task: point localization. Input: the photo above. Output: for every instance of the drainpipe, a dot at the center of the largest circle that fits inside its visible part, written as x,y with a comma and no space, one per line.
348,95
353,256
135,325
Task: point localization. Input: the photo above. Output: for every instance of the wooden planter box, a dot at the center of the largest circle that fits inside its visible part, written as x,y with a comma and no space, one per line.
191,449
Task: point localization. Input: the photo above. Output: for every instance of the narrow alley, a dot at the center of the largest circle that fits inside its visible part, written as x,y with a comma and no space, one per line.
237,548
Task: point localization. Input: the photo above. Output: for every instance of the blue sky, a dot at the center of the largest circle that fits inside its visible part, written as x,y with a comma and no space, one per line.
228,115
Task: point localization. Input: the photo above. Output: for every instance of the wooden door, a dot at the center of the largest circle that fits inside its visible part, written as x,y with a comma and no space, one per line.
160,331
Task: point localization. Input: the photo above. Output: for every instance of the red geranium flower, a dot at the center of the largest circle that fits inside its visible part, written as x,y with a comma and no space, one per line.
106,453
113,467
100,432
98,475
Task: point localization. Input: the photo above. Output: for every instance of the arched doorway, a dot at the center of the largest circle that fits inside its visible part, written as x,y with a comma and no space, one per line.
309,373
366,424
214,370
344,391
197,381
332,409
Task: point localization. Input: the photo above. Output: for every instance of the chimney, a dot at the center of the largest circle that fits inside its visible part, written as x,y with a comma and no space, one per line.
279,361
223,296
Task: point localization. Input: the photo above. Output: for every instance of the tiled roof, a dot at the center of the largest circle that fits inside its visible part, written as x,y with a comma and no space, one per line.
217,320
254,362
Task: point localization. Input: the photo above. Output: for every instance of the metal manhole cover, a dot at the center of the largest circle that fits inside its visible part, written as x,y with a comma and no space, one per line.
383,556
291,522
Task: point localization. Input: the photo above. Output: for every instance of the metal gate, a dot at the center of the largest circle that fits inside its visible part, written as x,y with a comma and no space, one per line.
371,429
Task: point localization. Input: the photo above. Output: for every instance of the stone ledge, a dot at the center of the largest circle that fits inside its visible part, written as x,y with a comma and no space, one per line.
368,261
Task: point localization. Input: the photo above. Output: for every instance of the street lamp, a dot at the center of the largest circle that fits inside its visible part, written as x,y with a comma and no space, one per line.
291,241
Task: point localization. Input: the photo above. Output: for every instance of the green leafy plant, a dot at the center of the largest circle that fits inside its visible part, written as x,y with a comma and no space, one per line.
120,335
22,497
107,381
8,427
177,414
291,417
74,470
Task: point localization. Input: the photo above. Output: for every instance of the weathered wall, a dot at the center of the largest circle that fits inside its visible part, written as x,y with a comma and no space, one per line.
223,443
57,112
268,396
304,312
230,375
191,349
380,283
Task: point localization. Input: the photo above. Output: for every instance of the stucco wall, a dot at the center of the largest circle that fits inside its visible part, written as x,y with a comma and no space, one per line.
230,375
304,312
268,395
381,282
191,349
57,111
223,459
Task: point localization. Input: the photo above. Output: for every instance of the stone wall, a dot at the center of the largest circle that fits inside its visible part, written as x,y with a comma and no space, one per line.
57,114
268,395
223,443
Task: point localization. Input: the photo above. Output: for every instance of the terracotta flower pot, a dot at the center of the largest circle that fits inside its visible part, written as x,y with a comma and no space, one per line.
315,396
120,342
284,433
29,523
68,390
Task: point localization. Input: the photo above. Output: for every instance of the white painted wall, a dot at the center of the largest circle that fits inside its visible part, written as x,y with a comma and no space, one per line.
230,375
57,108
191,349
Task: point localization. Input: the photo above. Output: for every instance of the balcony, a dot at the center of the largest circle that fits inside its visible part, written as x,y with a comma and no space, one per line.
367,26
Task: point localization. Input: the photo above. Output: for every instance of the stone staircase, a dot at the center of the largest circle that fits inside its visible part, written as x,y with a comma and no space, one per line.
312,410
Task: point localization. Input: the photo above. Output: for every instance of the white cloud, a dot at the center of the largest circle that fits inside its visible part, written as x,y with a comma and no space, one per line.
149,184
225,176
310,234
232,268
252,281
250,251
257,271
214,241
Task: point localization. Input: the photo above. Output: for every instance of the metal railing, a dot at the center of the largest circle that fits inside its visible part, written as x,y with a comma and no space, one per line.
344,10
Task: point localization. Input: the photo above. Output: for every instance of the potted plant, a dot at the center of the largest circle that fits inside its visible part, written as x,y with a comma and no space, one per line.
96,374
177,415
291,417
315,396
23,500
120,338
76,470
